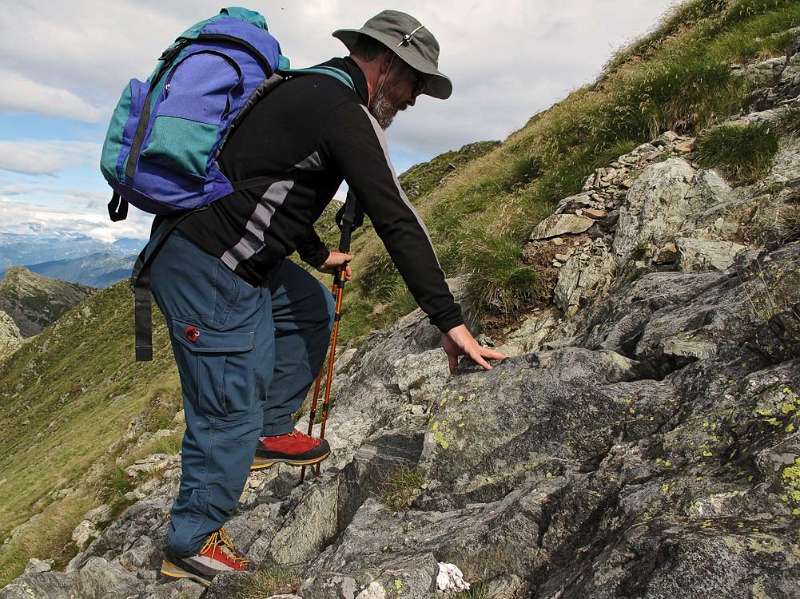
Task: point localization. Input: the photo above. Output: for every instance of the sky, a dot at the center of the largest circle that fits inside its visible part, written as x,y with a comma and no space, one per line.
64,65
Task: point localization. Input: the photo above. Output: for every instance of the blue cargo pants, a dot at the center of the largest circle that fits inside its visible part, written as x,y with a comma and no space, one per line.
246,358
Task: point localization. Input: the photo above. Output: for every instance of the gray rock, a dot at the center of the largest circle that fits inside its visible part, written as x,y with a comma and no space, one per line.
700,254
83,533
310,525
506,587
37,566
180,589
587,274
531,333
657,206
10,337
688,348
561,224
765,73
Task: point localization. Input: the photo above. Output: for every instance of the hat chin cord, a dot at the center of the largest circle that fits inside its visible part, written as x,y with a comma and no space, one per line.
383,81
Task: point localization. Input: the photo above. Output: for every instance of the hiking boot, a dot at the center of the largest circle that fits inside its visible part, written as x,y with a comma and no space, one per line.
295,448
217,555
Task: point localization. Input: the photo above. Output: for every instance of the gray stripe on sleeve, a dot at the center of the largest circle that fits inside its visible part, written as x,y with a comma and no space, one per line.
252,241
382,140
312,162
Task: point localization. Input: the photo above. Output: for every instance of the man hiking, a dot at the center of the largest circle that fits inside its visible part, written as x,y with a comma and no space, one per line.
249,328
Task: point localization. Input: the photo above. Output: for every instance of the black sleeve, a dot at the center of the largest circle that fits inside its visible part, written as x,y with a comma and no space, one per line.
311,249
355,143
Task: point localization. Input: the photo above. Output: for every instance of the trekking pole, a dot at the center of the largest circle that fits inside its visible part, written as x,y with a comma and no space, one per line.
348,217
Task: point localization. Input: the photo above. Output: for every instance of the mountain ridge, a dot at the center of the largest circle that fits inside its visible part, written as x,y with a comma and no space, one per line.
34,301
641,441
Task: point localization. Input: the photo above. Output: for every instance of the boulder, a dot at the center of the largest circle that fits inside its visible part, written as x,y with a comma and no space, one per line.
588,273
699,254
657,206
561,224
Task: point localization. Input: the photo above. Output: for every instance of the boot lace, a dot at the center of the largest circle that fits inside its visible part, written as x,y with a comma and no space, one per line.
221,540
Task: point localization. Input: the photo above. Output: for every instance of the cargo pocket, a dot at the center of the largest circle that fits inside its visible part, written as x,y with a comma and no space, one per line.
193,113
217,366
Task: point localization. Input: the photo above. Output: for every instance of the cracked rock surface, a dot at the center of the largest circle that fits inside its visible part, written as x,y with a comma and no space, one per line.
641,442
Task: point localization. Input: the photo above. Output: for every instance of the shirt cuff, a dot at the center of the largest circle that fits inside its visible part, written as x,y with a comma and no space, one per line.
452,317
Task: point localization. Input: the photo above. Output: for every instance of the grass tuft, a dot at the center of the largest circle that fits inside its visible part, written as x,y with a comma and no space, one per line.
743,153
401,488
271,579
523,169
476,591
500,282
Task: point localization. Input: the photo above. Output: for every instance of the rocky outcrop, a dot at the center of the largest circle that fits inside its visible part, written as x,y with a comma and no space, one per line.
641,442
34,301
10,337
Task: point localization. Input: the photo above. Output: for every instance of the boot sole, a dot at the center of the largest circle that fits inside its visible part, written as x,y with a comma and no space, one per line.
262,463
170,570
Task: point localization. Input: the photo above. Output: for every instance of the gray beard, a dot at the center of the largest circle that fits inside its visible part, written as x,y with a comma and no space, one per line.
383,110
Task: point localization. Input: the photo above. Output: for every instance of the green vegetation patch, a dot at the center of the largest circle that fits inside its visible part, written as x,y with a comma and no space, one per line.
77,388
402,488
271,579
743,153
501,282
421,179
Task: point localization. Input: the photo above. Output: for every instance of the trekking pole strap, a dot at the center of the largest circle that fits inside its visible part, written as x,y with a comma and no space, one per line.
349,218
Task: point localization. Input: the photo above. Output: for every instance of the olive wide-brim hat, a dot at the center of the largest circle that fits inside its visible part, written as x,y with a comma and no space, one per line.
411,41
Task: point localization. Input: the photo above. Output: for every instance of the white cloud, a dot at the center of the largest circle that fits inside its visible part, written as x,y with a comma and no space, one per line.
46,157
19,94
507,61
74,213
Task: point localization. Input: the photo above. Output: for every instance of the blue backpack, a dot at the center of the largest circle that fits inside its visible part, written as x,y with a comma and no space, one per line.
161,149
160,152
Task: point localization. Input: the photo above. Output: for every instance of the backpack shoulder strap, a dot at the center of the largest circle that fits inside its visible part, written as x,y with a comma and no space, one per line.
338,74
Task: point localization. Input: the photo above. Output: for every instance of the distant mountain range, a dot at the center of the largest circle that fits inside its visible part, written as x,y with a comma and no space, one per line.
101,269
70,257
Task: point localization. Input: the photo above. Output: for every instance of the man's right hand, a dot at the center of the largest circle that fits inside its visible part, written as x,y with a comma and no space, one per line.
334,261
458,341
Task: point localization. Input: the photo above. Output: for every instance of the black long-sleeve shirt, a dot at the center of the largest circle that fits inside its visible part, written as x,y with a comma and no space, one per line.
301,140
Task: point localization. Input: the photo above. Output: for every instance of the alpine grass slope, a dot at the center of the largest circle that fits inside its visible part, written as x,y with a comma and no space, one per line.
634,249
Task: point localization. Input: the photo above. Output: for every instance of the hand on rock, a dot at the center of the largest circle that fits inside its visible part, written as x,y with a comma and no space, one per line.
458,341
